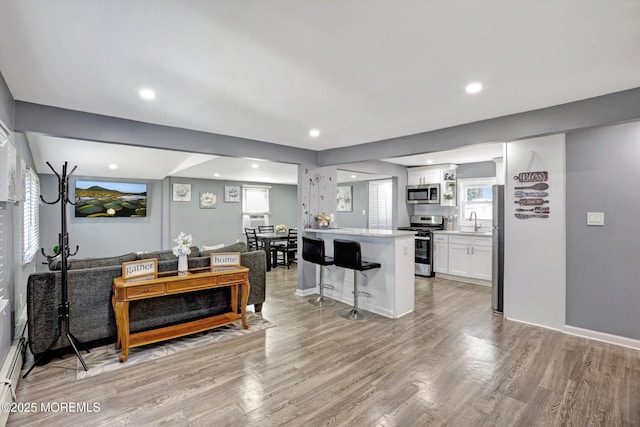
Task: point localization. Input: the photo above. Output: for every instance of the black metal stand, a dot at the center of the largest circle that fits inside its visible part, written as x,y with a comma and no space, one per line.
63,244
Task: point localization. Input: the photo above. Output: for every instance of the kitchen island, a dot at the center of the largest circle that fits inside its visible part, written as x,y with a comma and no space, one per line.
391,287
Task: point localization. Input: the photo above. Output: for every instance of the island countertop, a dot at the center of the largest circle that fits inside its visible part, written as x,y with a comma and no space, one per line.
388,290
369,232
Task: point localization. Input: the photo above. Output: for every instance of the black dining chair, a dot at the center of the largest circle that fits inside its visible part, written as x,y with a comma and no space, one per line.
252,239
286,254
266,229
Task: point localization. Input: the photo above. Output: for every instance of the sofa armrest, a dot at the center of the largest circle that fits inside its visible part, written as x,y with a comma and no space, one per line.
256,262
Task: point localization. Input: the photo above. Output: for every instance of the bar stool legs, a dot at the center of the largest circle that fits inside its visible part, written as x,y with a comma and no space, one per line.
355,313
321,301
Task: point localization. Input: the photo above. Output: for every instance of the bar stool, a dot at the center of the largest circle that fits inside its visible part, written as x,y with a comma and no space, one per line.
313,251
347,254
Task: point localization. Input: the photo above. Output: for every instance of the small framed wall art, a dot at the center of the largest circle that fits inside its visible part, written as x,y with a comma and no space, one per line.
344,199
181,192
208,200
231,194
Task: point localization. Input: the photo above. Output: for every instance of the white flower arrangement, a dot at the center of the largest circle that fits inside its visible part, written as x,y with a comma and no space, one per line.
183,241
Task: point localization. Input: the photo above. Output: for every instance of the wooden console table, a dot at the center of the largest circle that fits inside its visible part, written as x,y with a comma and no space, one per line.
172,283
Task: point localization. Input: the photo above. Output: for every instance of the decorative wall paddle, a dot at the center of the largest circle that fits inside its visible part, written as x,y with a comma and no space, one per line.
527,216
532,176
520,194
537,210
541,186
531,202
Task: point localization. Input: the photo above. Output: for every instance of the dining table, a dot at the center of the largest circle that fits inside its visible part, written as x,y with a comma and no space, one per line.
267,239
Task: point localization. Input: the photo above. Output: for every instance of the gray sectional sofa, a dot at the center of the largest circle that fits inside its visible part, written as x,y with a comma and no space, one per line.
89,287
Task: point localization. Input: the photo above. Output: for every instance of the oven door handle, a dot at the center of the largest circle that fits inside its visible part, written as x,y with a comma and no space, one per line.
422,238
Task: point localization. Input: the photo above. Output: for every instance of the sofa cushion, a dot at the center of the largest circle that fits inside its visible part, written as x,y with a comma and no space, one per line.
235,247
168,254
76,264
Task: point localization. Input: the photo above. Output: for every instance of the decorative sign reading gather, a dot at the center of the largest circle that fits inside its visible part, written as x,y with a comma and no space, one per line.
142,269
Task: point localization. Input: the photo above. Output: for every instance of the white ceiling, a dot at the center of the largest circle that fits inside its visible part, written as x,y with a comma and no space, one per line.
358,71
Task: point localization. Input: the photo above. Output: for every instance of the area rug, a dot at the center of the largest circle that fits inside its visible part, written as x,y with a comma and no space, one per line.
106,358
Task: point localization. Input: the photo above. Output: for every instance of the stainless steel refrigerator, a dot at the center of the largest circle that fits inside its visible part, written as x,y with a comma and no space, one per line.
497,276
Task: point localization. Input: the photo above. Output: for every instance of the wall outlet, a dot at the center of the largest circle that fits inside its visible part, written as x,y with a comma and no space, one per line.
595,218
364,212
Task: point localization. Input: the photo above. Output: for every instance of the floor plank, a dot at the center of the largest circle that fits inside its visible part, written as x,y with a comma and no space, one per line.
450,362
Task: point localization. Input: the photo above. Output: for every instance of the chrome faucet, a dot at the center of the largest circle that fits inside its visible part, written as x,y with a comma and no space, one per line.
474,217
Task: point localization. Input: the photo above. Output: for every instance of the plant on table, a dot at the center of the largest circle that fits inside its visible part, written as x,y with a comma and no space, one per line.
183,241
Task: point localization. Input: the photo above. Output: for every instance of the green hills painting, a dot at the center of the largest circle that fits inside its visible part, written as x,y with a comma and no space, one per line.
99,199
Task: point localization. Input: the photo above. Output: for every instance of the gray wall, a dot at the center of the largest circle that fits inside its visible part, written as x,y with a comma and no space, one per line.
98,237
476,170
603,169
360,202
224,223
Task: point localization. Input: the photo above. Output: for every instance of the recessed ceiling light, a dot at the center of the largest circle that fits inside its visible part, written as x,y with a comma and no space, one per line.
216,174
147,94
113,166
353,176
254,165
429,162
314,133
474,87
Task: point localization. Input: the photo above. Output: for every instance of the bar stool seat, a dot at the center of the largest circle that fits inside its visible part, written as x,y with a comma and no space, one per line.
313,251
348,254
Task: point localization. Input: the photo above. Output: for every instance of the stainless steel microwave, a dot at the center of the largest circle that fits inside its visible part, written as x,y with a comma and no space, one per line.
423,194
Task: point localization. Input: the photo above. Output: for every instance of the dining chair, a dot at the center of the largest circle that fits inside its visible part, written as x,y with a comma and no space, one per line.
266,229
286,254
252,239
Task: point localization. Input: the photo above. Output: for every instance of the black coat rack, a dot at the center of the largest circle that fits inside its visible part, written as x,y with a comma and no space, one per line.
64,252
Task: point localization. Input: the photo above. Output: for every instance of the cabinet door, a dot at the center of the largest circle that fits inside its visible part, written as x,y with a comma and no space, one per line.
480,262
441,257
459,259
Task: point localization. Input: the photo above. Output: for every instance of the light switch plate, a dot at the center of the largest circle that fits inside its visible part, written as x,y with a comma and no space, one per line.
595,218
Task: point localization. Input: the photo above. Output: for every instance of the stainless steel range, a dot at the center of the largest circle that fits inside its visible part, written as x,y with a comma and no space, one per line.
424,225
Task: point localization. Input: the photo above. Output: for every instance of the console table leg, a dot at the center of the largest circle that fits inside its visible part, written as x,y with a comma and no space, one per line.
122,320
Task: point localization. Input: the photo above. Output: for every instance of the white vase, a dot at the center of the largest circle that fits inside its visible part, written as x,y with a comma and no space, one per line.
182,263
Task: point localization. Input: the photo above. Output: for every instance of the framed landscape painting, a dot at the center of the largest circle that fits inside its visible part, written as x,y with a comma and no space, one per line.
101,199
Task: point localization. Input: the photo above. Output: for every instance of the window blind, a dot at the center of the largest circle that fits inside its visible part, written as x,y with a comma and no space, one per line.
380,204
31,225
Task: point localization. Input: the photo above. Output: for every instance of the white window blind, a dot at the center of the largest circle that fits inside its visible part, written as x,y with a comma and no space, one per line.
31,228
255,206
380,204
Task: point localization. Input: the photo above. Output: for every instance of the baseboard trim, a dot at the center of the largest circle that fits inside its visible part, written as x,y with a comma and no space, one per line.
463,279
603,337
306,292
589,334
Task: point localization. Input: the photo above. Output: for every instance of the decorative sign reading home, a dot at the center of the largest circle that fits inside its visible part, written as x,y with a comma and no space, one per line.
225,261
140,270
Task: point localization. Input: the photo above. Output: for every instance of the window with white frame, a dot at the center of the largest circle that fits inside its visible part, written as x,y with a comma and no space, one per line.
475,195
255,206
380,204
31,220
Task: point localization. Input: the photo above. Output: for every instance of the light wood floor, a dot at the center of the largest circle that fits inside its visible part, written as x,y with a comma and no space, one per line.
451,362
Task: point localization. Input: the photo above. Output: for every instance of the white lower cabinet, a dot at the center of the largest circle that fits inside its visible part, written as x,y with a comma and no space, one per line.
440,253
466,256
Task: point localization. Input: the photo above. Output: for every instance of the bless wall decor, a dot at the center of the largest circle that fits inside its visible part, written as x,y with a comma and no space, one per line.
181,192
344,199
231,194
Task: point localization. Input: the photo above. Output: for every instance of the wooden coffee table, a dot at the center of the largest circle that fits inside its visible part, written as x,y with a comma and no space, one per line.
174,283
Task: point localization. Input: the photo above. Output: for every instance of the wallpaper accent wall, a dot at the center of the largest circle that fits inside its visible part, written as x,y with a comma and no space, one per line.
319,189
